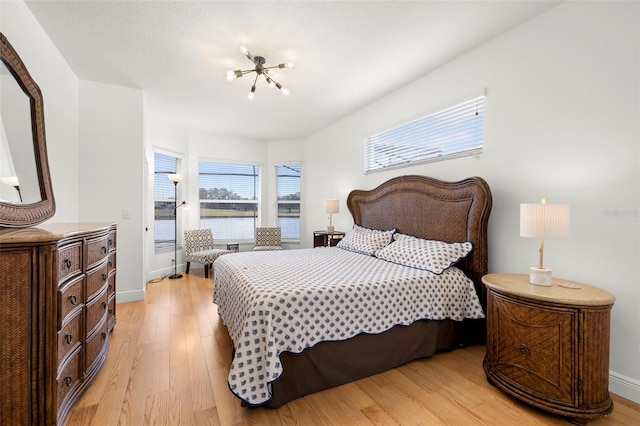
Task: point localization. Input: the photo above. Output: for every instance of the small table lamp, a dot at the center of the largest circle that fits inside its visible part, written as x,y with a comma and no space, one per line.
543,221
331,206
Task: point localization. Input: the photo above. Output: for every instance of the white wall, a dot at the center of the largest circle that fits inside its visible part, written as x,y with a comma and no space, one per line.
561,122
59,87
112,175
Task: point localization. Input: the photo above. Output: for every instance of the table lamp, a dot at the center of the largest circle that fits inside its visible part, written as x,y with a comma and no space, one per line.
331,207
543,221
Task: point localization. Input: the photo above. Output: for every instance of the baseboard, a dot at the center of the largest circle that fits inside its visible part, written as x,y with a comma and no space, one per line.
129,296
624,386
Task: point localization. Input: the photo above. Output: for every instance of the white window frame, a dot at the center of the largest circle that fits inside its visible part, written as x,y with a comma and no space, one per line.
455,131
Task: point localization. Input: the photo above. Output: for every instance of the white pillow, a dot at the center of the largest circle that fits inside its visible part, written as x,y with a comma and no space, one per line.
366,241
430,255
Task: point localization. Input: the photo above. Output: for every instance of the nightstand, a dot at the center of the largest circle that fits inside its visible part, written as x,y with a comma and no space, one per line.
323,238
549,346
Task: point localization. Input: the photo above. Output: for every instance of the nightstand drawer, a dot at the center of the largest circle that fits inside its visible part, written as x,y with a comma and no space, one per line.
534,347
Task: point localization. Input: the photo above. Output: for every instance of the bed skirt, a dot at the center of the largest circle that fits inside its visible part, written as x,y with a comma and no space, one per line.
330,364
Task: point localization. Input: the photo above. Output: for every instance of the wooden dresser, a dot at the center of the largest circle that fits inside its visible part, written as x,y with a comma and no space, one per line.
57,308
549,346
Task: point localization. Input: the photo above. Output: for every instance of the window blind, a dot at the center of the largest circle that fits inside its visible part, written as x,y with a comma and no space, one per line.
229,199
165,201
288,184
452,132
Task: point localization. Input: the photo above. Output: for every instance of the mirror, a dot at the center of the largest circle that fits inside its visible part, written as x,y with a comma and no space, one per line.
26,195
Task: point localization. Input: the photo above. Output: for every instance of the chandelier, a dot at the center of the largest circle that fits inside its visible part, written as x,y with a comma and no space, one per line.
260,70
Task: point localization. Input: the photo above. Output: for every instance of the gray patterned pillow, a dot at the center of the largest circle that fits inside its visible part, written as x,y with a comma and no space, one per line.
366,241
430,255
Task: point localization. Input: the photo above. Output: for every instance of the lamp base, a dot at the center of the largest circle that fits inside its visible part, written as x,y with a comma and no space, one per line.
539,276
174,276
329,229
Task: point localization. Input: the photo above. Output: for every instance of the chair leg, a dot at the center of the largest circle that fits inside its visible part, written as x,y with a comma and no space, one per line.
187,271
206,271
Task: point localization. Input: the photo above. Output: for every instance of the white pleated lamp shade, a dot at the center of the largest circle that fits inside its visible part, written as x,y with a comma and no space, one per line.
331,206
544,220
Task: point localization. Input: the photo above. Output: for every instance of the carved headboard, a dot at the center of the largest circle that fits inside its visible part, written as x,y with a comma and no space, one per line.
431,209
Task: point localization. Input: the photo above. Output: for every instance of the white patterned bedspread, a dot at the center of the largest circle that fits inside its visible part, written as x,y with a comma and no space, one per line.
289,300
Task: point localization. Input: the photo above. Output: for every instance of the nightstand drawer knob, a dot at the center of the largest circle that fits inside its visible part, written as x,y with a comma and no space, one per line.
523,350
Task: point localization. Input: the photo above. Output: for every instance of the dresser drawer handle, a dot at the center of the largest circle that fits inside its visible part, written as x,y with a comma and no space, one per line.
110,287
524,350
104,277
104,336
67,263
110,311
110,242
68,338
104,305
68,380
110,264
73,299
104,249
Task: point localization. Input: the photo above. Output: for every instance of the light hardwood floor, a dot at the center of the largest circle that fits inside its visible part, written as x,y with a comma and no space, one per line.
170,356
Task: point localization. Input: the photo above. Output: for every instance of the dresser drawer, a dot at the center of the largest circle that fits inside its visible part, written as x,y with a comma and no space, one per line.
112,262
96,345
112,240
70,297
69,377
111,284
97,250
96,279
535,347
111,313
69,337
69,261
96,311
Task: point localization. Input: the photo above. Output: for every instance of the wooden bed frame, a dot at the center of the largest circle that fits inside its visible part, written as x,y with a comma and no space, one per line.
415,205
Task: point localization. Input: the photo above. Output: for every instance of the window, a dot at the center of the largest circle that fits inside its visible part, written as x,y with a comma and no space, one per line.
229,200
452,132
288,182
165,201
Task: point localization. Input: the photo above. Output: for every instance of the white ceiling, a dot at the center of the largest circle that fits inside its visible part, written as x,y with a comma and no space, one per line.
346,53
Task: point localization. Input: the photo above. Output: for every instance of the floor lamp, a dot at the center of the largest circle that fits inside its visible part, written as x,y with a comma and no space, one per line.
175,178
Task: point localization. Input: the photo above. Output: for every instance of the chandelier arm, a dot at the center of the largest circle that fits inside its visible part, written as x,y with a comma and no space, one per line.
276,66
272,79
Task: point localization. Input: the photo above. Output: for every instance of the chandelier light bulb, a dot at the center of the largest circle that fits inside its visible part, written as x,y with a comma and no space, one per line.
290,65
285,91
244,49
231,76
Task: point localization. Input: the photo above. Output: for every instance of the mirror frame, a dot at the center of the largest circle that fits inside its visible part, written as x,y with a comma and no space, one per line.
20,215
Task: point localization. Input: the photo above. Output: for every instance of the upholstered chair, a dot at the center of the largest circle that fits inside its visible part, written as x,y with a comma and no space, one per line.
199,249
267,239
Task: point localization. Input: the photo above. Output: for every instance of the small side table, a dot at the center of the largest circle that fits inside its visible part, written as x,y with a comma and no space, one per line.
549,346
234,247
324,238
